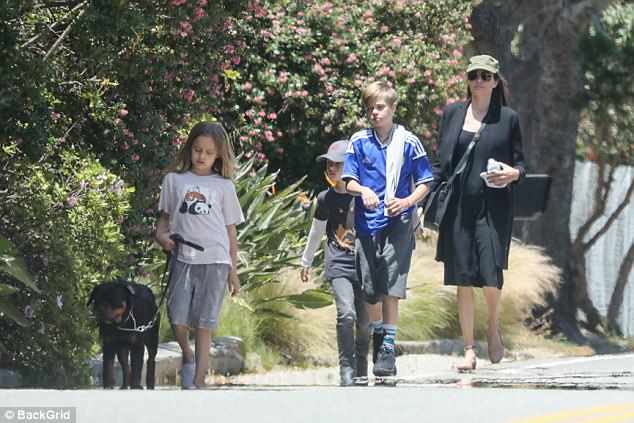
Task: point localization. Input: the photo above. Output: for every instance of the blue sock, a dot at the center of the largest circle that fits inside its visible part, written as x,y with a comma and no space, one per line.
390,336
377,326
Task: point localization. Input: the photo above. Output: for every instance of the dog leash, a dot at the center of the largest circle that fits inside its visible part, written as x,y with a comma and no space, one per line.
178,239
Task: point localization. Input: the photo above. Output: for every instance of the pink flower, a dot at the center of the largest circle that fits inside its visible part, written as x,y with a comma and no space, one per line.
55,116
178,2
304,93
188,95
273,116
199,13
351,58
248,86
279,150
71,200
262,114
450,100
123,112
202,2
427,73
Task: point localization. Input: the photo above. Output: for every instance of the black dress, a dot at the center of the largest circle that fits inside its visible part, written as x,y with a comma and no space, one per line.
475,239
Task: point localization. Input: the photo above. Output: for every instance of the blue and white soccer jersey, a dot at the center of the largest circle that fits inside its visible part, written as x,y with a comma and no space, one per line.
366,163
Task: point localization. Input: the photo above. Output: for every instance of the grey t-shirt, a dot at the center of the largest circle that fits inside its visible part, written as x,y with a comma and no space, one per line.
338,210
201,208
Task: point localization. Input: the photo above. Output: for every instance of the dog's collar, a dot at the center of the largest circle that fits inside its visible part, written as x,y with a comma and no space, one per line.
130,311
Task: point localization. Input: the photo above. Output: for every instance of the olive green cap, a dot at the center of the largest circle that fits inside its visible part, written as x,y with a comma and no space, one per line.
484,62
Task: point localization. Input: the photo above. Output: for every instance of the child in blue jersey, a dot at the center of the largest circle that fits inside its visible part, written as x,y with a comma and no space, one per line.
387,169
334,217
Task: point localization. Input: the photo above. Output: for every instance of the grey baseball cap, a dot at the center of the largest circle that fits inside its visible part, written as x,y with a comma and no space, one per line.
336,152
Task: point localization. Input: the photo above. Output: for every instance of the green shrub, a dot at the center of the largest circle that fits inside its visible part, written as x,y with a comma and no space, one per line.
63,215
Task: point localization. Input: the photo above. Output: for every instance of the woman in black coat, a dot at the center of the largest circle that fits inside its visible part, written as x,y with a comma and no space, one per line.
474,239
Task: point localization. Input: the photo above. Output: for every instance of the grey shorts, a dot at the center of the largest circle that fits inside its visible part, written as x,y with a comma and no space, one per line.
196,294
383,260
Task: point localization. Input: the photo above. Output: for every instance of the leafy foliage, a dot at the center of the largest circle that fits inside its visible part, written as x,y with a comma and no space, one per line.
65,222
607,100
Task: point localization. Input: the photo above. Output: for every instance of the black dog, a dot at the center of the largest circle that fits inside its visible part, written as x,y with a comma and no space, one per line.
128,321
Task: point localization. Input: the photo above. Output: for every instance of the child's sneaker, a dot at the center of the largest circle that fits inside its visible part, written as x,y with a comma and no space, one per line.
361,379
386,362
347,375
377,342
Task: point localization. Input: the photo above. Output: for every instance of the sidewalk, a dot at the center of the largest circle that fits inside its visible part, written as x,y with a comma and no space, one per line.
430,360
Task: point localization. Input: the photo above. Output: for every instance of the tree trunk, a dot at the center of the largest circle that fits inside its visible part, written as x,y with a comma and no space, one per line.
535,43
616,300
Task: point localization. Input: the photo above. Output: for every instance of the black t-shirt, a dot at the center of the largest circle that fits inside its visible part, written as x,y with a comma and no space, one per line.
338,212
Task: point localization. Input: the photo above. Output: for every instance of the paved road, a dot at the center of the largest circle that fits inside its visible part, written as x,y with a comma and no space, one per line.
597,389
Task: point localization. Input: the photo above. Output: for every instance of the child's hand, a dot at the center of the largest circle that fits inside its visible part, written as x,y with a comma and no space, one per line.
304,274
370,199
397,206
233,282
165,241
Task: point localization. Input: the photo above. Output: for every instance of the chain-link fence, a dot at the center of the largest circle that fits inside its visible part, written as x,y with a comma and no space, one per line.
604,259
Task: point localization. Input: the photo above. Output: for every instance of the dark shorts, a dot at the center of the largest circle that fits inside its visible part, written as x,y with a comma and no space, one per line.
383,260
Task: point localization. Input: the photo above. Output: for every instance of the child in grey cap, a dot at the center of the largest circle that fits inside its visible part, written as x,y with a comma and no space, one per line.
334,217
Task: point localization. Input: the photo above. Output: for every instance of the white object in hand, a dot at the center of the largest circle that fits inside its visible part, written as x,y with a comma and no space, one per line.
492,166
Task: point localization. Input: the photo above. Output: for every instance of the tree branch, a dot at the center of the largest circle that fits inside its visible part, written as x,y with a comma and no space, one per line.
616,301
598,205
64,34
624,203
52,27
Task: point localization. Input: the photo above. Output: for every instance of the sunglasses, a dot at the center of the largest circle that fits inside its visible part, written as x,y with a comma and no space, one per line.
484,75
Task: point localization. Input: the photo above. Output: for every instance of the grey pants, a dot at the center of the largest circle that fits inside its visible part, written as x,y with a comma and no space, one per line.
350,303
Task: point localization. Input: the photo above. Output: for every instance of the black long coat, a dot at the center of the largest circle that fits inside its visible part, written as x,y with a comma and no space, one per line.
501,139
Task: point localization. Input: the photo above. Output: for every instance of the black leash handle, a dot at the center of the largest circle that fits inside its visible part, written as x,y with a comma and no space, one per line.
178,238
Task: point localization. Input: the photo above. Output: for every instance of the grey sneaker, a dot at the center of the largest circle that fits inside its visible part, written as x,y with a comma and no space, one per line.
347,375
386,362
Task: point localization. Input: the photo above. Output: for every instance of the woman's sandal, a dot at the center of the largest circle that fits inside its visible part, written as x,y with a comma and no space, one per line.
496,355
465,365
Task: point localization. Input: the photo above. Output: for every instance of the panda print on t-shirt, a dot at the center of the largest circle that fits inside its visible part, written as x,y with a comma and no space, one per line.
194,202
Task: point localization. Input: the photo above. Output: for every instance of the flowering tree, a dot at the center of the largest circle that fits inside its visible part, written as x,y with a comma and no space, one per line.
303,65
